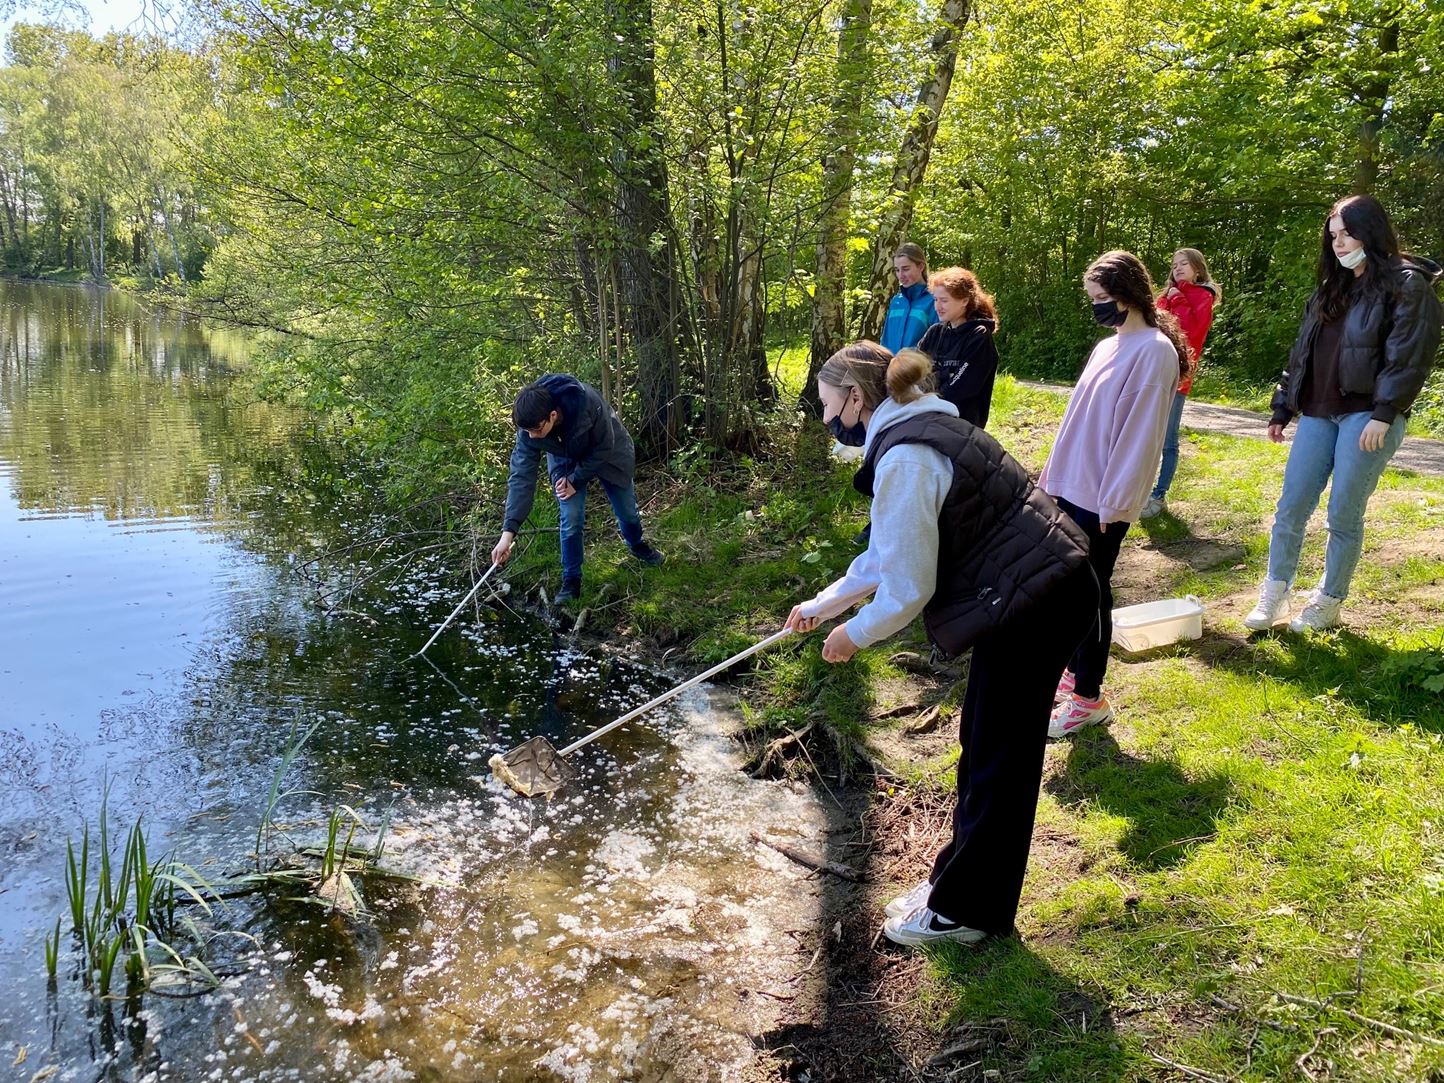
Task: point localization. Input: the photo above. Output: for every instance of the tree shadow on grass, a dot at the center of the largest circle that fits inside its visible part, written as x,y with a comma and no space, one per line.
1391,686
1168,813
1175,539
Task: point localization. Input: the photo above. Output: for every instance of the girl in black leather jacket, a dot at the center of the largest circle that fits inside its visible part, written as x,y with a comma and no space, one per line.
1369,338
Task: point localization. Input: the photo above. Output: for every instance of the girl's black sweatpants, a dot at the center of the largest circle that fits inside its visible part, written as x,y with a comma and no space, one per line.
978,877
1090,661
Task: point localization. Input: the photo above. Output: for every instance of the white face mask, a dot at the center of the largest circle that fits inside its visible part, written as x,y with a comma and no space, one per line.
1350,260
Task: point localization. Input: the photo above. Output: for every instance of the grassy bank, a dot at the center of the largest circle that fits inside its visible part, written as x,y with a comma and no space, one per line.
1243,875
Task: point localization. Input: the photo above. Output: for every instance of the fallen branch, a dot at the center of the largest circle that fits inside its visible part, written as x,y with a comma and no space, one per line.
1192,1073
816,864
1387,1028
898,711
927,721
915,663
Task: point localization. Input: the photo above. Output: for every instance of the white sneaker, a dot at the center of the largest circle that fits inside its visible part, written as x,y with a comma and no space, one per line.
1074,713
1272,608
1321,612
1156,506
922,926
909,901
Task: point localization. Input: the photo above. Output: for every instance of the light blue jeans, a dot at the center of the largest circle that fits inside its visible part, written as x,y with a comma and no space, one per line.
623,499
1324,446
1170,447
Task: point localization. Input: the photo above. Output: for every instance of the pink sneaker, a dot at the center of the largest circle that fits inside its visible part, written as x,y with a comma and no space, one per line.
1074,713
1065,686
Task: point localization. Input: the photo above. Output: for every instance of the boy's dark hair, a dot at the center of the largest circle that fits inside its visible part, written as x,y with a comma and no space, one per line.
532,406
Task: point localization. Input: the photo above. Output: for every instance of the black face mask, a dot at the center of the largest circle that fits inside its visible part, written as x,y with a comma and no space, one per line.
1108,313
855,436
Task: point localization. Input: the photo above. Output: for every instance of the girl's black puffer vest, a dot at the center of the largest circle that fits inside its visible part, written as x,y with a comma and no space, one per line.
1003,544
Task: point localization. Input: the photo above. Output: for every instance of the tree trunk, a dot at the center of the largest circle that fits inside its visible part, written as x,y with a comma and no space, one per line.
912,163
100,245
7,186
829,297
647,262
1373,95
180,267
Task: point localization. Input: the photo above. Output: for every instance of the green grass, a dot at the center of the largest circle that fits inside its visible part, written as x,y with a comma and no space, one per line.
1269,824
1264,819
788,364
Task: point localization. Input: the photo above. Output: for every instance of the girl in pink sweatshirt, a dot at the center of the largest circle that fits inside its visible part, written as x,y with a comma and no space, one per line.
1106,455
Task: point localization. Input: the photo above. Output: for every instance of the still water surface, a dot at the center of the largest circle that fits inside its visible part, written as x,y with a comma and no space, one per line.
162,633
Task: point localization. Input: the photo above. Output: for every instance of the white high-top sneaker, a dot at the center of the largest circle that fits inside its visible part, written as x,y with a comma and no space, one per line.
909,900
1321,612
1272,608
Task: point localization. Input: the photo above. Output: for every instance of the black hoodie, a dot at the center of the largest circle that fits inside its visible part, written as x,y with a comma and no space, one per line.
965,361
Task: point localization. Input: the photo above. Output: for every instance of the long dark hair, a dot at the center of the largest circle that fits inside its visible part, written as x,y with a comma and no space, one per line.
1126,279
1367,221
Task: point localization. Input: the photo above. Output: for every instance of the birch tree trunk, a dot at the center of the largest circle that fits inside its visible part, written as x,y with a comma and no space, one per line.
912,163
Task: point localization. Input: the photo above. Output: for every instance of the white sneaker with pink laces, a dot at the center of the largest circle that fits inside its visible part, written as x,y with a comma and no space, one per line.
1074,713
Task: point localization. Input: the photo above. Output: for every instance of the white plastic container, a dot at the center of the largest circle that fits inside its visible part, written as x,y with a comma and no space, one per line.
1156,624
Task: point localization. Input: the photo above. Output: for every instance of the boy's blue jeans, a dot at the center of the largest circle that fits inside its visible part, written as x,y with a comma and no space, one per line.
623,499
1170,447
1324,446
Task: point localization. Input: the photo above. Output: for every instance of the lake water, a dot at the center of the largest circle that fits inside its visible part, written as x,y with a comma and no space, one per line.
181,592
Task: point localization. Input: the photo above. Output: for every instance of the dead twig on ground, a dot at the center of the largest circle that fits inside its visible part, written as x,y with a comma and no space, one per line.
1378,1024
1192,1073
807,860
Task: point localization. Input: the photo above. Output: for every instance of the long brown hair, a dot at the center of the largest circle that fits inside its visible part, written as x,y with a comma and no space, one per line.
1124,277
877,374
964,286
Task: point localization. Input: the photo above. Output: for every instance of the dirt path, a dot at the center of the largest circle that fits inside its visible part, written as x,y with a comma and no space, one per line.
1417,454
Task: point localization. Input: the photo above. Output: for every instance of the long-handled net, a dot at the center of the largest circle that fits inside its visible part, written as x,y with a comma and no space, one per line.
535,768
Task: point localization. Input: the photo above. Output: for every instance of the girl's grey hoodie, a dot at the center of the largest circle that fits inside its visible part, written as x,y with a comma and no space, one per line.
900,563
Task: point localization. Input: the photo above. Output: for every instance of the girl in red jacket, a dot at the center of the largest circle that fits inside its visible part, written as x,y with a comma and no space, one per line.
1190,296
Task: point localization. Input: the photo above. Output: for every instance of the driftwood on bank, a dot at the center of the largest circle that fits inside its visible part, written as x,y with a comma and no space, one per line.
805,859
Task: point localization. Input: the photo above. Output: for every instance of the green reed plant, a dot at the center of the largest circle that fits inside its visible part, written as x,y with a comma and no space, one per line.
275,795
126,908
52,950
331,860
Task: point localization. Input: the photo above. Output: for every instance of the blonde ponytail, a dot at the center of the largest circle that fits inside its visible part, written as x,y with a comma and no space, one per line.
909,375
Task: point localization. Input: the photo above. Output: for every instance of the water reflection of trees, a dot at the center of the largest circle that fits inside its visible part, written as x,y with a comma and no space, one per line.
112,408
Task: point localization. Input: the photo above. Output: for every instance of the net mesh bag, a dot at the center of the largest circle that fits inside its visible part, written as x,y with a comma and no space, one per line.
532,769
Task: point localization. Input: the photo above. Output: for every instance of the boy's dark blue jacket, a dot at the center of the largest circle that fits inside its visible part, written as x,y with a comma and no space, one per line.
588,441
